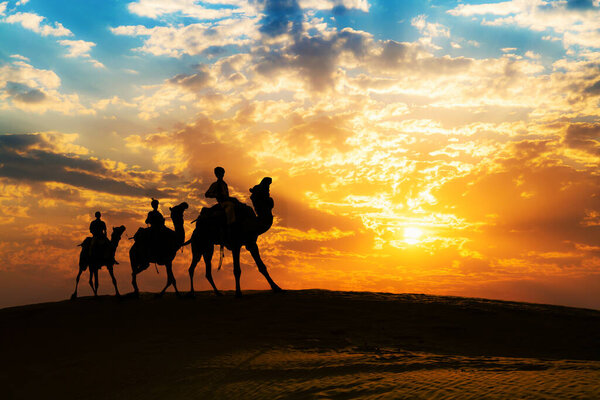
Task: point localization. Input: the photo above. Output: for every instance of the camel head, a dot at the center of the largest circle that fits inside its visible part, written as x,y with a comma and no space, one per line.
260,197
117,232
177,212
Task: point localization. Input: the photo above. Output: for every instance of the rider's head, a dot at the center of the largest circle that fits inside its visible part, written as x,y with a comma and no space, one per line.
219,172
154,204
97,214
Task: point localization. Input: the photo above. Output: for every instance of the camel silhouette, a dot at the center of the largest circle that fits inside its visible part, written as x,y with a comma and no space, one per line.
95,261
145,250
244,232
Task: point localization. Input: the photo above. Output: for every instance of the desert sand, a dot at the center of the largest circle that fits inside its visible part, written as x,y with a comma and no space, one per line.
307,344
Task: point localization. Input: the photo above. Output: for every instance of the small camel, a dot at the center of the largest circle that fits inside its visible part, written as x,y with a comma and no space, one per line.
96,261
245,232
145,251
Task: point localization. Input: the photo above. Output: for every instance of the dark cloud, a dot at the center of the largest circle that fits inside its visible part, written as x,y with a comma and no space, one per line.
24,93
193,82
584,136
314,57
279,14
214,51
29,157
393,53
594,89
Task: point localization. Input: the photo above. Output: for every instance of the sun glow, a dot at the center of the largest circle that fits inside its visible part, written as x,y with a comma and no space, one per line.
412,235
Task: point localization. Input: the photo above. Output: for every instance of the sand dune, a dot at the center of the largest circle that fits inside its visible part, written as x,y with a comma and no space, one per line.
300,344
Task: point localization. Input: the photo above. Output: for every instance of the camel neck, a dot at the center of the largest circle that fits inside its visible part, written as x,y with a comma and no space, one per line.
179,229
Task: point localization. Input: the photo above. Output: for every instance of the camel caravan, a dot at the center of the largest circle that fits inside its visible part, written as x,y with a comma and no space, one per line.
229,223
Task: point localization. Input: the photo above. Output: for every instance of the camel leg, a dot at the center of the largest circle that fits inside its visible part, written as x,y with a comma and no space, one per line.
114,281
134,271
253,249
74,295
237,270
168,282
207,261
170,279
96,280
191,270
92,281
136,291
170,271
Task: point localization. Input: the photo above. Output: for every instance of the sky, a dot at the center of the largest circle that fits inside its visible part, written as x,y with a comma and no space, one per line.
440,147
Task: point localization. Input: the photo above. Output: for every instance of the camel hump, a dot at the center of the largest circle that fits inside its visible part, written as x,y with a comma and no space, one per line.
243,211
140,234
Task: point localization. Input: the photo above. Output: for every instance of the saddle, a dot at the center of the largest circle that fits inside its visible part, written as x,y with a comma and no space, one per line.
153,240
216,212
100,247
216,216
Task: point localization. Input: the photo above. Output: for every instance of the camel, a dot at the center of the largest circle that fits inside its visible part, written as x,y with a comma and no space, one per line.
96,261
145,250
244,232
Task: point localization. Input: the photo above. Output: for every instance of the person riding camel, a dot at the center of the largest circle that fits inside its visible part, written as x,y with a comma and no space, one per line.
157,224
155,219
219,190
99,239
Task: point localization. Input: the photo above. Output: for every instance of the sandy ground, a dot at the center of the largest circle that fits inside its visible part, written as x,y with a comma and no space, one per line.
308,344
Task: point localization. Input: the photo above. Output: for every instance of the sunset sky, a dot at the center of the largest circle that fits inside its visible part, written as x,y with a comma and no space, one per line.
441,147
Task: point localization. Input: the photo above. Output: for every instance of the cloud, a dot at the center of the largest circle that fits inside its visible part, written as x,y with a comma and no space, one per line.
280,16
80,48
502,8
593,89
192,39
193,82
77,48
24,93
3,7
34,23
19,57
576,21
338,6
584,136
429,28
188,8
315,58
36,90
51,158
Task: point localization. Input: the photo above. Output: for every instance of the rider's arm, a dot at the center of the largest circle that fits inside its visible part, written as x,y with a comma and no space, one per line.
211,193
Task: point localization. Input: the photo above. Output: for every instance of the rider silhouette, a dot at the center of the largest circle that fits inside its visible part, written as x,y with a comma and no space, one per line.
155,219
98,227
99,238
157,223
219,190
